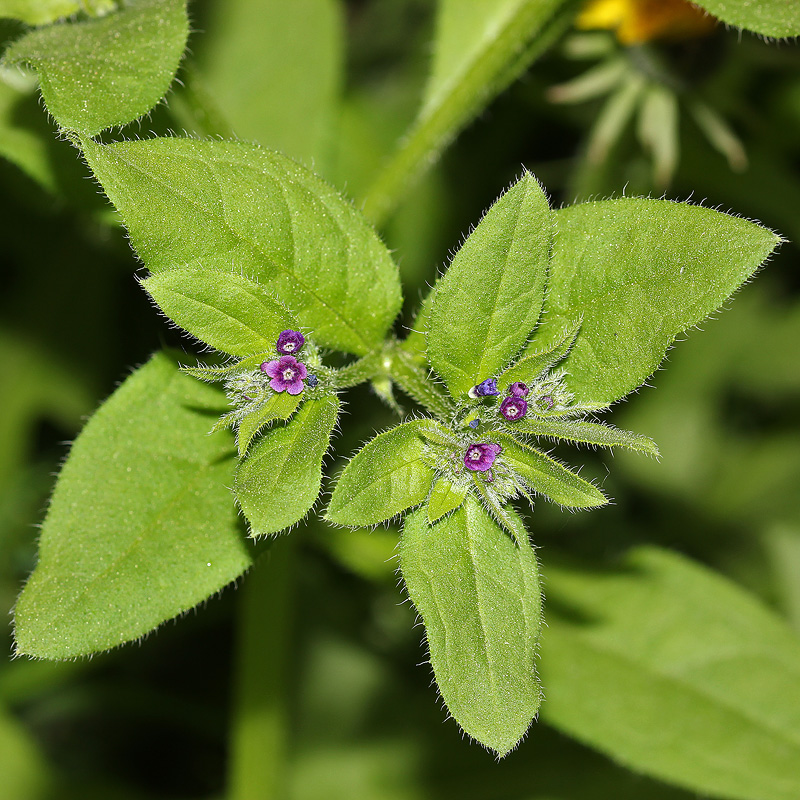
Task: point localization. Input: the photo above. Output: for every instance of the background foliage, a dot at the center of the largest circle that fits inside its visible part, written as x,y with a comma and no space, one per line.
692,569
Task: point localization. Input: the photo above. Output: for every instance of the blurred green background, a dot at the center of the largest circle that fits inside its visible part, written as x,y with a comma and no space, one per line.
335,85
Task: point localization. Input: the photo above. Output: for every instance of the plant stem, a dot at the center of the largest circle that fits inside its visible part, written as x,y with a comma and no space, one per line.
413,379
260,728
527,35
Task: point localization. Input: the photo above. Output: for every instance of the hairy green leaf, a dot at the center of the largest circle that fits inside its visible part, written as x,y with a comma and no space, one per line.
40,12
293,56
479,597
104,72
537,359
490,299
639,272
141,526
444,498
595,433
280,406
224,309
237,207
548,477
279,481
778,18
387,476
675,672
480,49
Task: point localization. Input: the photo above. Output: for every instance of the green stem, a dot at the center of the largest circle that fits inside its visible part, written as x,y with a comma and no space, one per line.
524,38
260,731
405,370
499,512
370,366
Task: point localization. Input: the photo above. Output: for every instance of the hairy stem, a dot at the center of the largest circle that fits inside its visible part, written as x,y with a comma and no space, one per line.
405,370
260,731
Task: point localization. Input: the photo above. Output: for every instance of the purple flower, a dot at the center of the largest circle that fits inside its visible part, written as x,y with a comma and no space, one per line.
513,408
480,456
287,374
519,389
290,342
487,388
313,380
546,401
473,423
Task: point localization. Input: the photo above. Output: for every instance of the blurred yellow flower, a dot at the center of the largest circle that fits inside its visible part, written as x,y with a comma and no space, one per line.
638,21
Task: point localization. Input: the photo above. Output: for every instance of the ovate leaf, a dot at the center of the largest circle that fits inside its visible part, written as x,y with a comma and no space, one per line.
479,597
387,476
224,309
778,18
233,206
279,481
490,299
280,405
110,71
141,526
548,477
673,671
640,272
444,498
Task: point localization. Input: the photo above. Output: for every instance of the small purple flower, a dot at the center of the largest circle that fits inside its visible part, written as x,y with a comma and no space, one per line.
312,381
473,423
513,408
546,401
480,456
487,388
290,342
287,374
519,389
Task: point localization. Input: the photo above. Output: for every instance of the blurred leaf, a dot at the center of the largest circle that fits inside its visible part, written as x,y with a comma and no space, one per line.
24,771
274,69
778,18
224,309
40,12
546,476
479,596
675,672
105,72
279,481
481,47
387,476
490,298
141,526
640,272
233,206
20,145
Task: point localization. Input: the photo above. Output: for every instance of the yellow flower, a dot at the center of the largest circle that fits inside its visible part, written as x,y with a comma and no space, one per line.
638,21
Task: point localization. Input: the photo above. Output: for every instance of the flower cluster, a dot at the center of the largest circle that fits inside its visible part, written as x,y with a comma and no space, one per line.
287,373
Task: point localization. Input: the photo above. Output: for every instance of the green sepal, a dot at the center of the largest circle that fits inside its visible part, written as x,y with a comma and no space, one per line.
100,73
546,476
537,359
479,596
223,309
280,405
387,476
595,433
444,498
280,479
490,298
